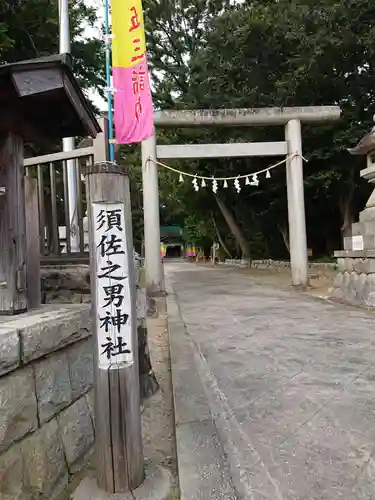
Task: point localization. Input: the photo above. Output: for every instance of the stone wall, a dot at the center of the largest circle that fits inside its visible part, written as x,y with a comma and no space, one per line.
65,284
46,414
71,284
355,281
318,268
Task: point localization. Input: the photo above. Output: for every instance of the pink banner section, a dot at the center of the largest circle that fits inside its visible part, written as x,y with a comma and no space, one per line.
134,119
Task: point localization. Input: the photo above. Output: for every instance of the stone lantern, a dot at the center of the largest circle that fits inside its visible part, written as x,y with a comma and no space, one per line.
355,281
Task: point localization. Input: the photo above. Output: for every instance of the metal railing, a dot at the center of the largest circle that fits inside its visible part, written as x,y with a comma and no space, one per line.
51,172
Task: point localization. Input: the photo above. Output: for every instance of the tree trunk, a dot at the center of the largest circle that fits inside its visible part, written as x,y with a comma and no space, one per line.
220,239
285,234
235,229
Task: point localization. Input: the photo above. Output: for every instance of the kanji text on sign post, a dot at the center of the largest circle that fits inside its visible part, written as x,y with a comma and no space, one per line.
114,316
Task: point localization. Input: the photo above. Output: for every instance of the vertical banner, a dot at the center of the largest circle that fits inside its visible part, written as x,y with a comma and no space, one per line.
113,303
134,119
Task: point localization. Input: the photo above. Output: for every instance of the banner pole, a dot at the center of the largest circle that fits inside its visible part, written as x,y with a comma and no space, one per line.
108,80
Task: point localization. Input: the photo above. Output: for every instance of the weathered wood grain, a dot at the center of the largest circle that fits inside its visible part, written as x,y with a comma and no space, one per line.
12,227
33,286
117,413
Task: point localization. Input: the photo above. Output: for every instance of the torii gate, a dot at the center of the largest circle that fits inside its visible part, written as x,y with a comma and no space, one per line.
290,118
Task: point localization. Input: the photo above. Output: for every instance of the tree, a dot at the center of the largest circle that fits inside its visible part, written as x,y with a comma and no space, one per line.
273,53
174,31
30,29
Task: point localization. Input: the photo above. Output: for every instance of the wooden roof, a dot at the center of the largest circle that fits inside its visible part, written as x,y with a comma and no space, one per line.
41,100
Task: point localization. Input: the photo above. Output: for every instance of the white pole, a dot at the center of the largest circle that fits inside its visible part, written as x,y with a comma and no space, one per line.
68,142
296,205
153,265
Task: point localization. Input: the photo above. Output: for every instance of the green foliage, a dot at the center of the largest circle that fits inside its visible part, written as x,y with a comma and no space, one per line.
217,54
30,29
198,231
268,53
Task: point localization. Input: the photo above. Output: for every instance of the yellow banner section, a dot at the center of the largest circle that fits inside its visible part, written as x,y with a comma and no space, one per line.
128,43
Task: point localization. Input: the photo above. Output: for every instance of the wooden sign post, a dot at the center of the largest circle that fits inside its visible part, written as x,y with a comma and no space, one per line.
113,292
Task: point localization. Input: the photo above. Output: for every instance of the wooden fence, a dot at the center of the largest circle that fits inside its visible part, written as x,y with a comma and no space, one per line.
54,217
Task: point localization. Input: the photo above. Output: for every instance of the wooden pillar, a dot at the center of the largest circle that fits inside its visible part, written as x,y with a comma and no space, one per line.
12,227
114,315
33,285
100,143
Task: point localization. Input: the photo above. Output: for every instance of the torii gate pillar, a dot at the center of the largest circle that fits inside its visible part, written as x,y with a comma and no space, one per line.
296,205
153,264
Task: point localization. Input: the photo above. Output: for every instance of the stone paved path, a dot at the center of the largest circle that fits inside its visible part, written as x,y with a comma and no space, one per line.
289,381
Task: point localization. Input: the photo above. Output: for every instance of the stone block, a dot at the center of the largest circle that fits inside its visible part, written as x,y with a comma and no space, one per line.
358,285
10,349
81,367
358,265
349,264
141,303
345,281
369,266
75,278
338,293
86,298
91,405
53,387
341,265
369,242
352,286
361,286
338,280
63,297
77,434
12,486
367,215
46,470
369,291
18,406
358,229
366,228
348,243
370,300
51,328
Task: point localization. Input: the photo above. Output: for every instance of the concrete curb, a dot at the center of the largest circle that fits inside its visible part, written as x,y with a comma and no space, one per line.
203,468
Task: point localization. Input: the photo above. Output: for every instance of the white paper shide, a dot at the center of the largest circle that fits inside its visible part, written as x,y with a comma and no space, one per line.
113,303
